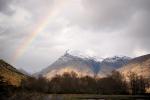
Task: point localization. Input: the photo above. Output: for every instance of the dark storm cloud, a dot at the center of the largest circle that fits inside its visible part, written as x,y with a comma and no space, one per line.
107,14
129,16
5,7
139,29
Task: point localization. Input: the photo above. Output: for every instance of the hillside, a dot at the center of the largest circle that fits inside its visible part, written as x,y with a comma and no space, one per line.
68,63
11,74
139,65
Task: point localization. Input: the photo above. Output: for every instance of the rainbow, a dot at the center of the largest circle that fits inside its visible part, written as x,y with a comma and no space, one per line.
22,48
28,41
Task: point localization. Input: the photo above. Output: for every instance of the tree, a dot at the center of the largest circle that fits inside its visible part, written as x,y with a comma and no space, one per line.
32,84
113,84
137,83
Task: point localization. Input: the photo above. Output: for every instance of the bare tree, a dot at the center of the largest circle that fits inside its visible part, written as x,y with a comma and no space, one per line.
137,83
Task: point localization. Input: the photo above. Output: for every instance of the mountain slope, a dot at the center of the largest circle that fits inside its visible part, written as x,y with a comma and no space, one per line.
11,74
68,63
139,65
83,65
112,63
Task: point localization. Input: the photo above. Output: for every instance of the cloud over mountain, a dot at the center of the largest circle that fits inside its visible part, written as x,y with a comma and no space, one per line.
96,27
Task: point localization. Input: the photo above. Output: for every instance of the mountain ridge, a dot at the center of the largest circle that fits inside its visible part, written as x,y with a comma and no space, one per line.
139,65
87,66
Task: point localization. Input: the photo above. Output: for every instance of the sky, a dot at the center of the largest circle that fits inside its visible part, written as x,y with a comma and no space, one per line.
34,33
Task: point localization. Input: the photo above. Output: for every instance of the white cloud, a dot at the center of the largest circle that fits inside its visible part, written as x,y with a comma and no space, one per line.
139,52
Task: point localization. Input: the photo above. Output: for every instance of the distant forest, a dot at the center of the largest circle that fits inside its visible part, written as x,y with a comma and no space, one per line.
70,83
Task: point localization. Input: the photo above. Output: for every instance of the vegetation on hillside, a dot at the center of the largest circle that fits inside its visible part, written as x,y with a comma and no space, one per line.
10,74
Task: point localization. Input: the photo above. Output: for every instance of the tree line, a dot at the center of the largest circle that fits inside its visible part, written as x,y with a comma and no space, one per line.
69,83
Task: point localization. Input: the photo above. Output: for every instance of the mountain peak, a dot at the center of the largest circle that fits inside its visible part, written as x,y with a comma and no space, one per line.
66,53
116,58
80,55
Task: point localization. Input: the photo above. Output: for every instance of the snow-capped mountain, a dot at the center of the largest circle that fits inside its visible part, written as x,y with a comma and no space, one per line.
83,65
112,63
116,61
68,63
